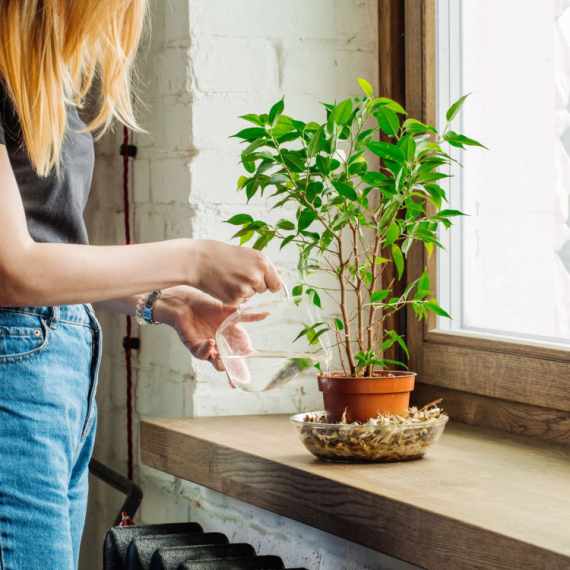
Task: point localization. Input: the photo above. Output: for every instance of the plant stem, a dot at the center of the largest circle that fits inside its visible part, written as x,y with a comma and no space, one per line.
358,290
342,282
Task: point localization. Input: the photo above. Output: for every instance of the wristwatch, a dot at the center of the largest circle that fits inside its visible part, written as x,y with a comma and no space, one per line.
145,308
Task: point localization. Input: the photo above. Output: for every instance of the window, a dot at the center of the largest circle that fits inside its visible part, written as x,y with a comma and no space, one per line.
507,270
504,361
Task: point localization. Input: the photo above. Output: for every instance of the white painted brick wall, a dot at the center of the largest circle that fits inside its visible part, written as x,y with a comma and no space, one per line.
207,62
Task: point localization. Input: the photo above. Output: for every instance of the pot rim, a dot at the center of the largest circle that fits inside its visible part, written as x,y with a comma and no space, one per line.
297,420
397,383
378,374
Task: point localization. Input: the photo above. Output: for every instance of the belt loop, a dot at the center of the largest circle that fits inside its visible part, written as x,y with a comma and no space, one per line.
54,320
94,322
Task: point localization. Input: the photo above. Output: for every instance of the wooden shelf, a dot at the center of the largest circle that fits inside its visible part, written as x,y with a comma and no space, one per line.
480,499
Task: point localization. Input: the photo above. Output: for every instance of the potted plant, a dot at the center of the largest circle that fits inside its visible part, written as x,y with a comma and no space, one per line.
351,222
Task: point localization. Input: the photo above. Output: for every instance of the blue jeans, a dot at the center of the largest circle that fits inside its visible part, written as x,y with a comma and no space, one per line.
49,362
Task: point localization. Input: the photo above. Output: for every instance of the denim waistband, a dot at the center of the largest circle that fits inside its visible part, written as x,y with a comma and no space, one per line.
79,314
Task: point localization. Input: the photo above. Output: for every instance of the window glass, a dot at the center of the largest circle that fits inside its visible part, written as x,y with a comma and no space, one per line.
507,266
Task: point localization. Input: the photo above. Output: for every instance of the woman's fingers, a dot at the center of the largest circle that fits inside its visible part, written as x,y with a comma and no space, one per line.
205,350
217,362
273,278
253,318
261,287
209,351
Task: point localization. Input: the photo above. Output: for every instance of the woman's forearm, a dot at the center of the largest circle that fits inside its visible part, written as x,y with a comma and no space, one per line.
171,301
37,274
61,274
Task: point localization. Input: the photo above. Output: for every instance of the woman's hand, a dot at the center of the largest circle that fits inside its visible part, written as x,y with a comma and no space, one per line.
196,317
233,274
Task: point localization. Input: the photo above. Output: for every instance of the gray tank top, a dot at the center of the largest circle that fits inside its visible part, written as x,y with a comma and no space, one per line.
54,206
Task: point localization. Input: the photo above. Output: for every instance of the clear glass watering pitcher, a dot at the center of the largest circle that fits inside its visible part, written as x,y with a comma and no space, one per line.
261,345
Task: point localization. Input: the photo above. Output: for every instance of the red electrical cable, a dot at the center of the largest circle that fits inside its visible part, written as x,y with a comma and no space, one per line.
128,360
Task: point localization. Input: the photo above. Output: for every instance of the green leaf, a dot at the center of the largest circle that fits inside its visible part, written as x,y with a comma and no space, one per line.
253,119
398,259
366,87
311,235
407,145
386,151
392,233
288,137
303,363
294,163
396,362
414,127
251,189
262,242
449,213
315,142
314,296
306,218
388,121
342,112
432,176
314,336
313,190
287,240
423,283
250,134
283,126
459,140
285,225
239,219
297,291
379,296
436,192
249,165
374,178
390,104
339,324
345,190
454,109
387,215
307,330
242,182
323,164
276,111
434,307
246,237
299,125
279,179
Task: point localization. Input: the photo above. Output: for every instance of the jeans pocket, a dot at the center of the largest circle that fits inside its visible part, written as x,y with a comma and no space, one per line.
23,339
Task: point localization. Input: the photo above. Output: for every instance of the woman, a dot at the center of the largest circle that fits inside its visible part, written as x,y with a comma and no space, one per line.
51,52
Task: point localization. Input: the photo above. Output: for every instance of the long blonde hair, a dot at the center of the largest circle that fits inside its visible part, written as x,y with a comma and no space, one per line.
51,51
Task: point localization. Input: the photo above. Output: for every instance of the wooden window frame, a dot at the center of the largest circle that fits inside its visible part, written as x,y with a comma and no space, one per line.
520,387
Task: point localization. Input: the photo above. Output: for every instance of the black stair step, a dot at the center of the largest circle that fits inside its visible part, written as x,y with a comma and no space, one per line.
118,538
250,563
142,548
170,557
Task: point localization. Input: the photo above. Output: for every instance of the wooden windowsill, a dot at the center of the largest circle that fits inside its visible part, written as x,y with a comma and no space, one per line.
480,499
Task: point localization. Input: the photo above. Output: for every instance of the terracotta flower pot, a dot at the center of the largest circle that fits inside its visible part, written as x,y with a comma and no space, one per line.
388,391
